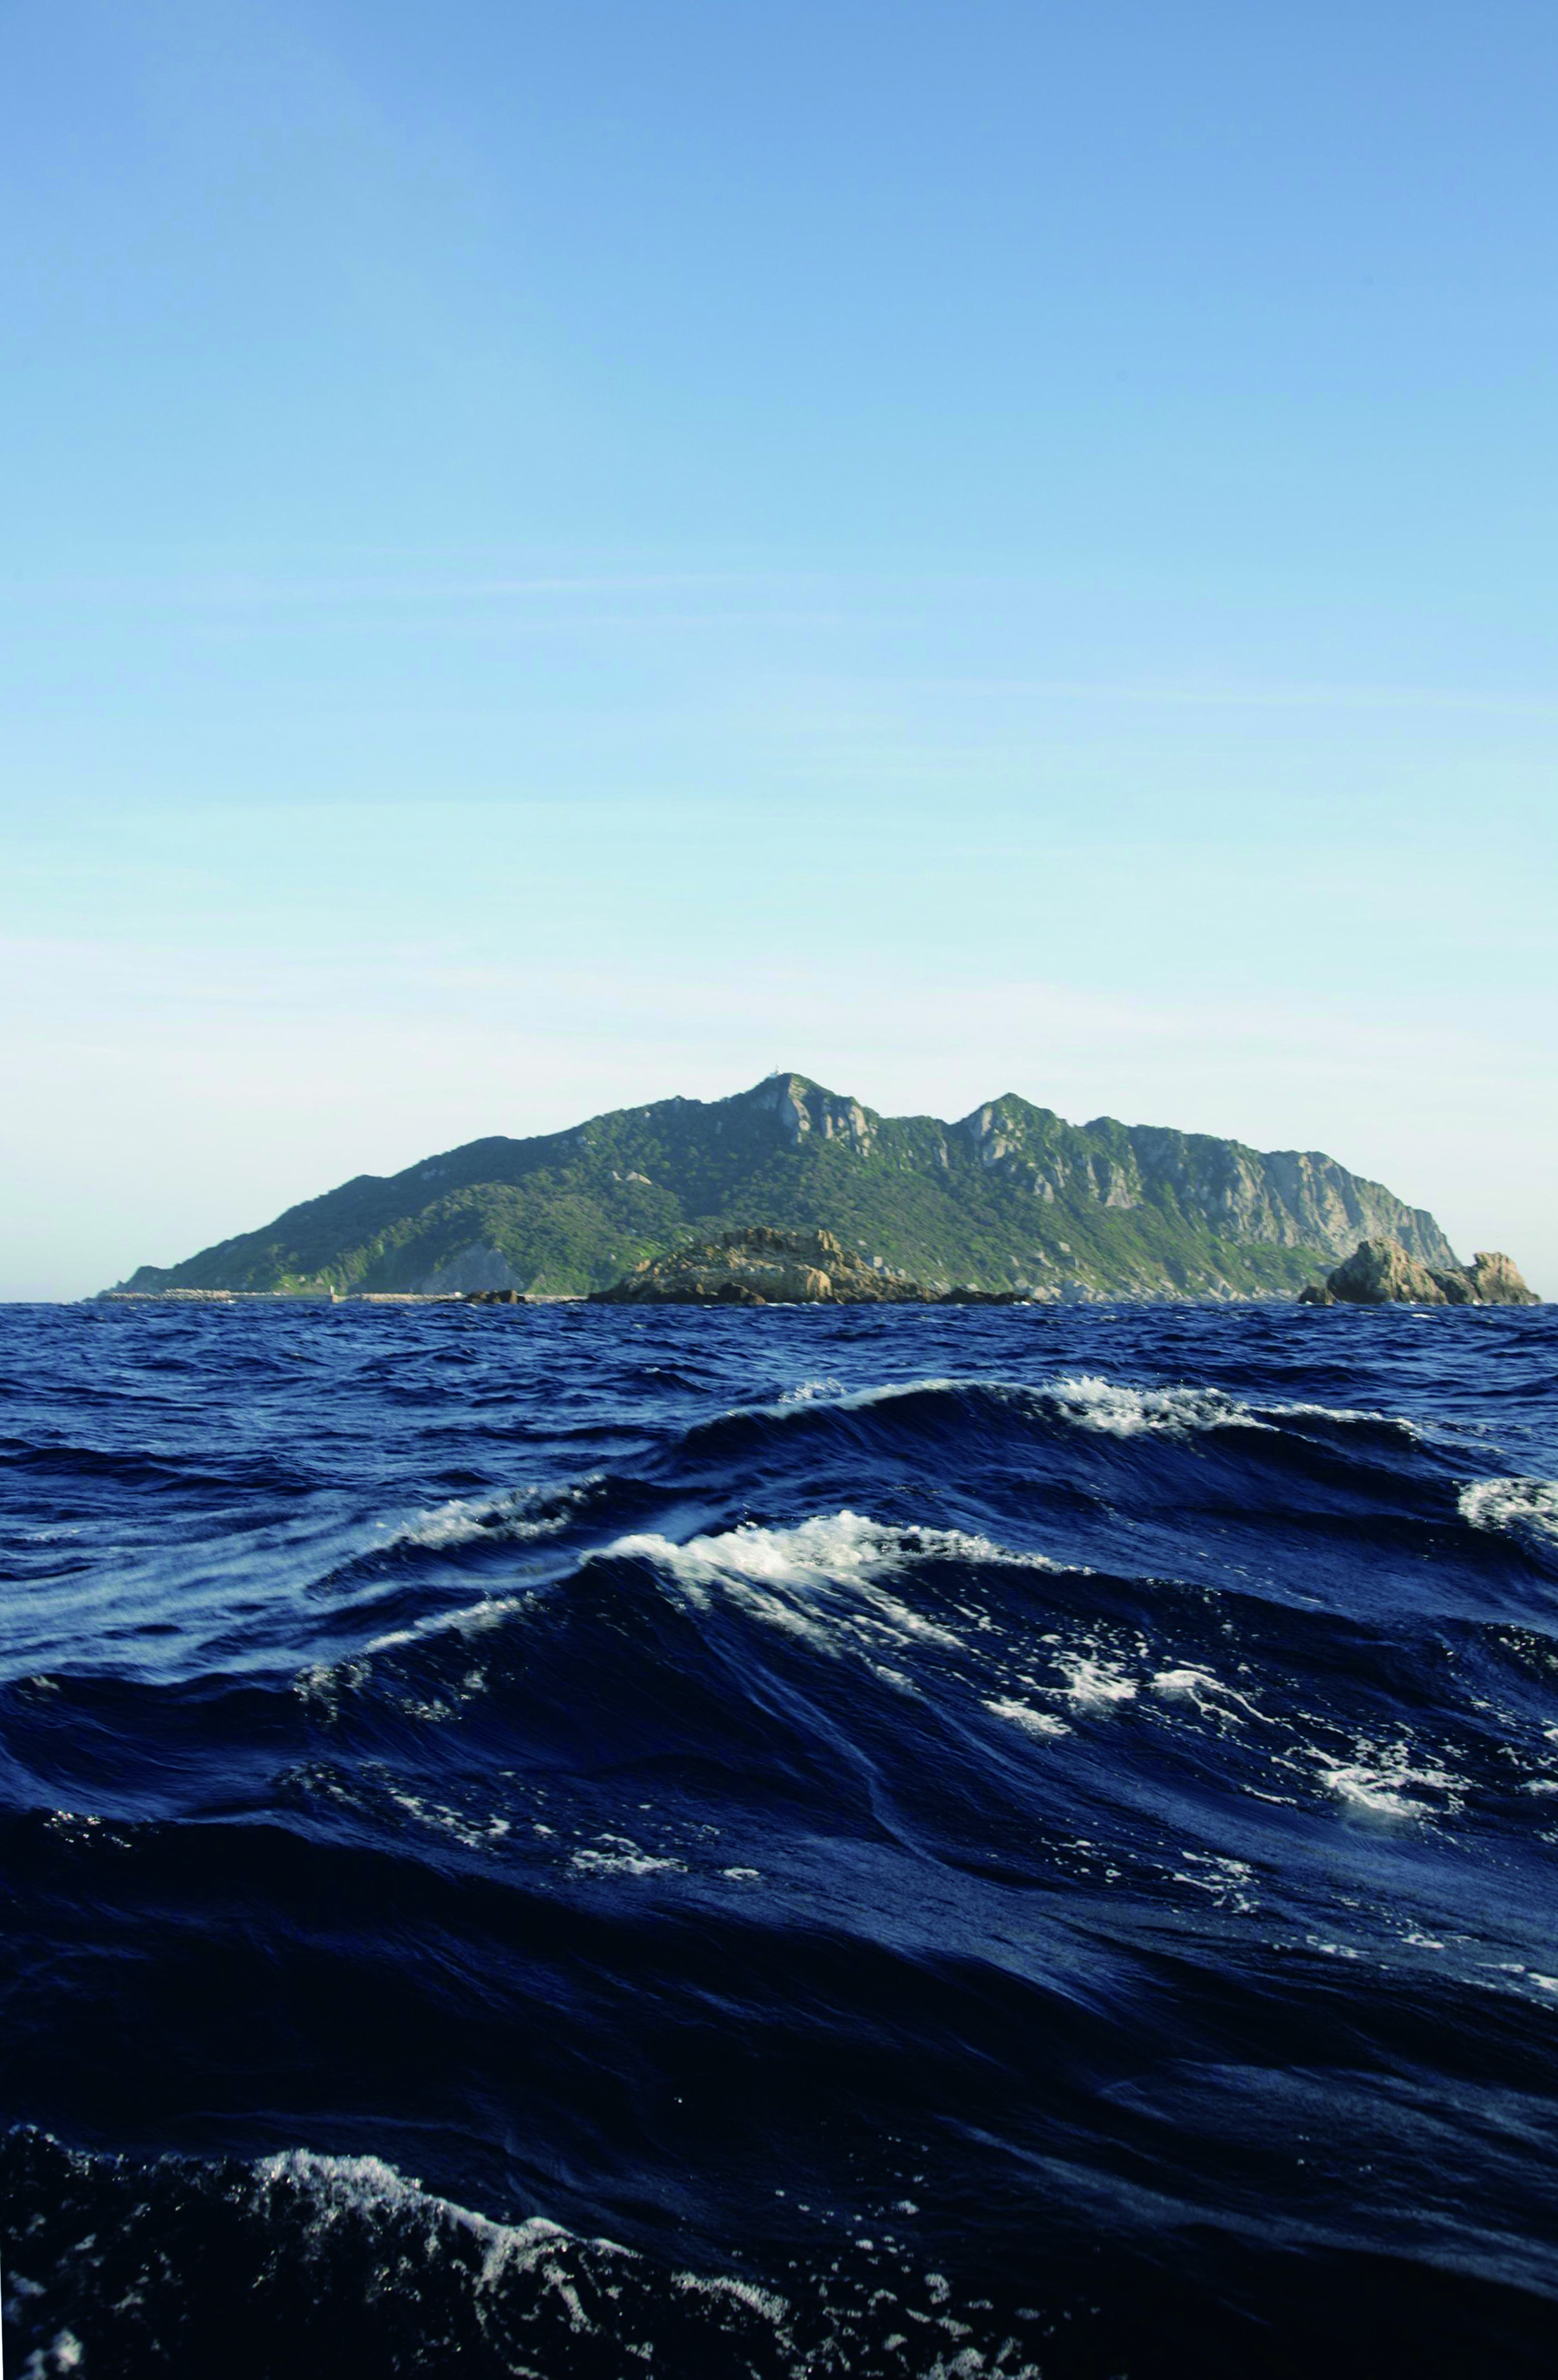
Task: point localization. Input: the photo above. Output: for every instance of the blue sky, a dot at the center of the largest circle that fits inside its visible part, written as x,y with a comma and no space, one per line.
551,556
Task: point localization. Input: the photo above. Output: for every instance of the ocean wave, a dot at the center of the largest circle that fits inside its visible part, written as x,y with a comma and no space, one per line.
1084,1401
1091,1404
783,1575
822,1579
1014,1851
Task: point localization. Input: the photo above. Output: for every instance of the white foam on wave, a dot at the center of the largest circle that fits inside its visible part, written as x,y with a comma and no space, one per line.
1226,1880
1023,1715
822,1579
1211,1697
584,2280
719,2286
519,1515
366,2187
1096,1685
1091,1402
472,1834
807,1396
1511,1504
1301,1410
324,1683
468,1620
64,2354
623,1858
1382,1784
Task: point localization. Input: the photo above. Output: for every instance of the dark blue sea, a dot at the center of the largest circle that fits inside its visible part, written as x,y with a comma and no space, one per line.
554,1840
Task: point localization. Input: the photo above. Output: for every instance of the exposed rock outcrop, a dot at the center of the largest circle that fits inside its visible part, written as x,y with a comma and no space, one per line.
467,1272
756,1267
1495,1280
1379,1272
759,1265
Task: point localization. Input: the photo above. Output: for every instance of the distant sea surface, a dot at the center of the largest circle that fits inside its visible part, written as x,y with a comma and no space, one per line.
563,1841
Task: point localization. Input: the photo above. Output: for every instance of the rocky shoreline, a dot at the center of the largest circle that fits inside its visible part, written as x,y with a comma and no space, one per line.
760,1265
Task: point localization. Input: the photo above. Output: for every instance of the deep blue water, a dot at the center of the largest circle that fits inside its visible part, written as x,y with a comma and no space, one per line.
554,1840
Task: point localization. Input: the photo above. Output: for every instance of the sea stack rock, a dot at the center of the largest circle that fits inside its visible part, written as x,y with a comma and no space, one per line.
1495,1280
1379,1272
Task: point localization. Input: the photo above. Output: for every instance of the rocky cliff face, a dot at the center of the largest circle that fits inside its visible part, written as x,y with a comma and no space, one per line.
803,1108
1009,1198
1288,1199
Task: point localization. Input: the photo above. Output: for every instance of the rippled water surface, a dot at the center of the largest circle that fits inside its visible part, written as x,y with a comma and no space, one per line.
548,1840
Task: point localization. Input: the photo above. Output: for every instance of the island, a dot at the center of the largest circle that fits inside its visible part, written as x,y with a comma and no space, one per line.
1010,1202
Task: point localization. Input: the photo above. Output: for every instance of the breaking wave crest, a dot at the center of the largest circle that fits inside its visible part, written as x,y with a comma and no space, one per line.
1513,1504
519,1516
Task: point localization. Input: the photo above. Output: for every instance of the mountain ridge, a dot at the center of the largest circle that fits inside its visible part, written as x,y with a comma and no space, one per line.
1008,1195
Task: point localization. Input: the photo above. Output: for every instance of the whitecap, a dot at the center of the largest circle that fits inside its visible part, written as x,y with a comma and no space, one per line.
1210,1696
1302,1410
517,1515
809,1394
1089,1402
819,1578
1511,1504
766,2303
624,1863
1093,1684
367,2185
471,1619
1023,1715
1382,1785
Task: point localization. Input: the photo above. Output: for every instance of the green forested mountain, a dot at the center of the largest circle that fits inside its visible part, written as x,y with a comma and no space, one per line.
1008,1196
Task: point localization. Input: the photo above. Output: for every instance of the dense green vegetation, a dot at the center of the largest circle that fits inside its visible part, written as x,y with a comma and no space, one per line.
1011,1195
